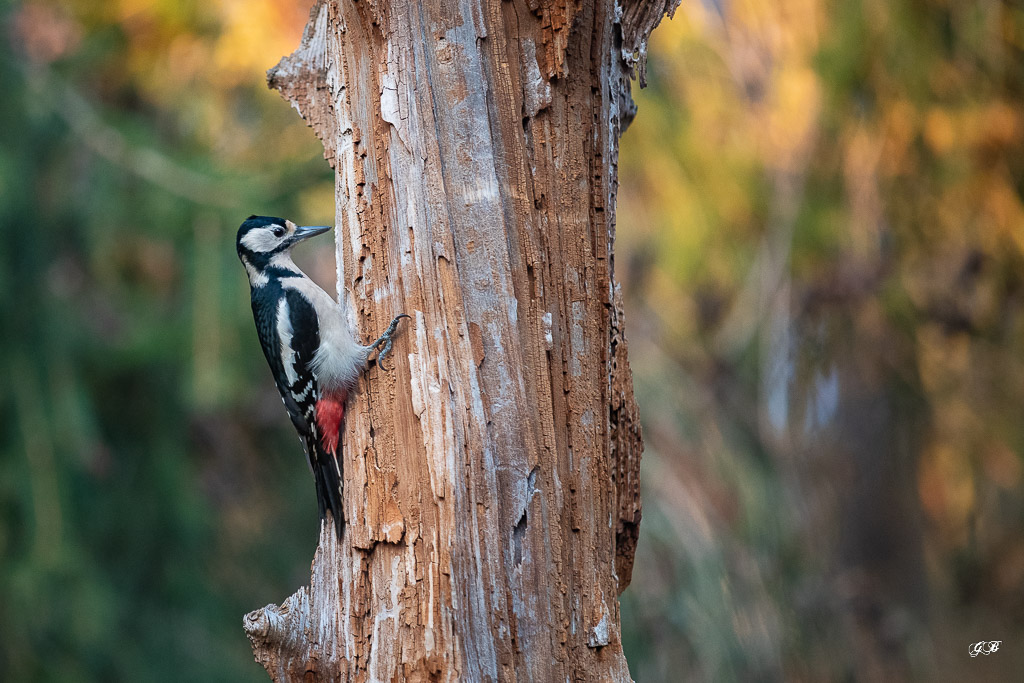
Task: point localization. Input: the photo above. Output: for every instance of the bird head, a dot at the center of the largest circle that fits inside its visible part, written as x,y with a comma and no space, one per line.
261,239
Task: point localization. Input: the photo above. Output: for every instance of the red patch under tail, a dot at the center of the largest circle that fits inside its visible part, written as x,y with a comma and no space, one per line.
330,410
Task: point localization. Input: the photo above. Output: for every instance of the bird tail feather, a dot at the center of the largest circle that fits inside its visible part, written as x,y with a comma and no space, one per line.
327,472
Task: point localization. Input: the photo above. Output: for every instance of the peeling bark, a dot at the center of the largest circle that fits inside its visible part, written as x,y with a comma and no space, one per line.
492,481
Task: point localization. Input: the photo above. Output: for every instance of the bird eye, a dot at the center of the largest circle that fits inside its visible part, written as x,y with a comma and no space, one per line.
278,231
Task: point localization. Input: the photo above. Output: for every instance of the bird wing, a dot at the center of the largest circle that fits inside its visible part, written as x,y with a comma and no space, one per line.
289,356
279,317
297,313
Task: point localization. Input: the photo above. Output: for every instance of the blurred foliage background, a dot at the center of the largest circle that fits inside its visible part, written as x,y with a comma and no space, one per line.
821,239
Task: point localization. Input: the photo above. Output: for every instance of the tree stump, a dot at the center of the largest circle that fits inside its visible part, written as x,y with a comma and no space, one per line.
492,480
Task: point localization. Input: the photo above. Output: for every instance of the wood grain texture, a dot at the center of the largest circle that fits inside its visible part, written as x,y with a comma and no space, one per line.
492,480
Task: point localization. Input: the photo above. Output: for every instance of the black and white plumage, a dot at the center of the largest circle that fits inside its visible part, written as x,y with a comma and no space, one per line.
313,354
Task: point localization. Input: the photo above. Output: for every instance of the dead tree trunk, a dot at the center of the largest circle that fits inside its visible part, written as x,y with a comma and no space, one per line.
491,481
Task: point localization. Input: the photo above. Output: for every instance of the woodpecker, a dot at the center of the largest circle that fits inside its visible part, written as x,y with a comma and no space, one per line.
313,354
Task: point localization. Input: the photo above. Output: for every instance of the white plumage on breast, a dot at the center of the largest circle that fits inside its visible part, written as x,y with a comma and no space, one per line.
340,358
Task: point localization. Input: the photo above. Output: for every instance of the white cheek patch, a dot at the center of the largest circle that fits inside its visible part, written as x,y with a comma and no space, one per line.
284,334
261,240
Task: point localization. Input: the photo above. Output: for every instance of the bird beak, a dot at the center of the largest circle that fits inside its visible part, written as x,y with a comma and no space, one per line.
307,231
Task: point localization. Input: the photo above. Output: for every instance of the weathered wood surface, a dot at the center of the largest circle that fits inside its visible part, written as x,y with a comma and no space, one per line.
492,480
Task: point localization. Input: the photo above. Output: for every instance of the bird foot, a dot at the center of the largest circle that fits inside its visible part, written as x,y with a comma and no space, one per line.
386,340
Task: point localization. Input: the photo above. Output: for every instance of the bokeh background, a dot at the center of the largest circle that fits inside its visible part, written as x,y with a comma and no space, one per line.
821,240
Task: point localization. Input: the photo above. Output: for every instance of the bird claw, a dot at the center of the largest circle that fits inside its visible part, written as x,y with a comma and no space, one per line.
386,340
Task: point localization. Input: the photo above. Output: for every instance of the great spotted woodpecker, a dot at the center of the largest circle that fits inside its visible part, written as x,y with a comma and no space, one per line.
311,350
